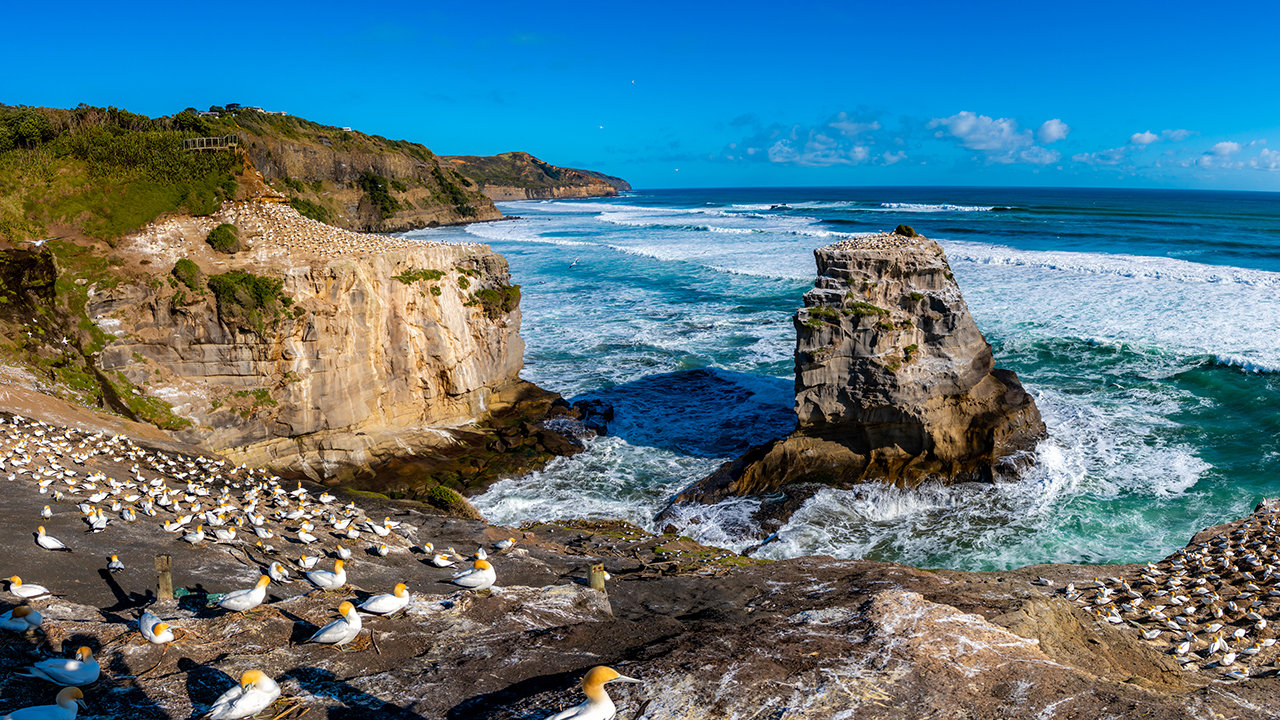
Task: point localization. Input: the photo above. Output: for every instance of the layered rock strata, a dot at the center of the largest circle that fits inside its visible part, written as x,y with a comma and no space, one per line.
521,176
894,381
378,351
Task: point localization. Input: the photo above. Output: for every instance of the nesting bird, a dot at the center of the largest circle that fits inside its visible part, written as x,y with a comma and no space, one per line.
248,599
329,580
48,542
386,604
254,694
480,576
598,706
26,590
340,631
64,707
83,669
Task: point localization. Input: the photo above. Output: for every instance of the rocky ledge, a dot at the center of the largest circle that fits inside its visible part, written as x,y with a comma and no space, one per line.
894,382
710,634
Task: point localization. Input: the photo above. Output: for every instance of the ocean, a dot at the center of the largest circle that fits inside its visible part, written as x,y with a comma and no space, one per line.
1146,323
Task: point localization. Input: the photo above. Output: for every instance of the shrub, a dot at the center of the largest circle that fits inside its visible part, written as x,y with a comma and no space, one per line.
917,297
904,231
411,276
306,208
866,308
375,189
225,238
188,273
499,301
909,350
246,300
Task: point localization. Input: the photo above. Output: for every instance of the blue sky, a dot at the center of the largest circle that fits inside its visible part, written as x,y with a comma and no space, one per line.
690,94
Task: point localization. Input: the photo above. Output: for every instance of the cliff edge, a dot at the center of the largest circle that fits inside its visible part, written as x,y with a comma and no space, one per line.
894,382
521,176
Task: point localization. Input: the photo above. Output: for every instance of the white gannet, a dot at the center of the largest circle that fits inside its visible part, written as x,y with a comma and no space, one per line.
382,549
278,573
344,553
49,543
254,694
442,560
26,590
64,708
599,706
224,536
81,670
387,604
46,513
340,631
509,542
155,631
22,619
114,565
244,600
480,554
196,537
306,562
329,580
479,577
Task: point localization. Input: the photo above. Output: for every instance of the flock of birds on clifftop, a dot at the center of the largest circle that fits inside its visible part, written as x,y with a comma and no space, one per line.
226,498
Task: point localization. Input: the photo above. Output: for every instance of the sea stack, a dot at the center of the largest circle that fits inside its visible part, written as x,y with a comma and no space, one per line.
894,381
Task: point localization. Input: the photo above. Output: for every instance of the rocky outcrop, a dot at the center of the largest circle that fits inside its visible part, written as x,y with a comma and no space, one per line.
360,358
894,382
520,176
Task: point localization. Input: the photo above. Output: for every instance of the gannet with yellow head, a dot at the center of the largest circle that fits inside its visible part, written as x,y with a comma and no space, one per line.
387,604
340,631
81,670
254,694
64,708
599,706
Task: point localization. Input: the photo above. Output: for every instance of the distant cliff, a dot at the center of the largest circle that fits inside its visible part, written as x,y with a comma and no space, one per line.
521,176
894,382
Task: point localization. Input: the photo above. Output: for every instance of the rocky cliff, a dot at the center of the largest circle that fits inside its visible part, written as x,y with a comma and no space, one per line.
894,381
521,176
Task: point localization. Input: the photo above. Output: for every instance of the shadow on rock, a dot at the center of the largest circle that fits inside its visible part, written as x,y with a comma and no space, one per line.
518,696
357,704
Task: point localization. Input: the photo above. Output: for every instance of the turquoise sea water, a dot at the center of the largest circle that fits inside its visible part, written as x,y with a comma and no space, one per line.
1146,324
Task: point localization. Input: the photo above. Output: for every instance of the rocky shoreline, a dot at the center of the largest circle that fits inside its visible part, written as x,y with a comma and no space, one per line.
710,633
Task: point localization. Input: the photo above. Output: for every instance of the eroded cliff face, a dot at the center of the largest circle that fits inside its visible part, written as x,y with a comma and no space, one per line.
520,176
894,381
329,176
373,355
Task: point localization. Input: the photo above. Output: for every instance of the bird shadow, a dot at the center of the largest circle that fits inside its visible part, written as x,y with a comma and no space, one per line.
124,600
358,705
481,706
205,684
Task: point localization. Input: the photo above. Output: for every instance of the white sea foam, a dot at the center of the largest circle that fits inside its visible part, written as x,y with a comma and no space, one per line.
929,208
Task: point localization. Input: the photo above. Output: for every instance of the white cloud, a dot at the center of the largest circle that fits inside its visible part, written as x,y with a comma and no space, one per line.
1114,156
1000,139
890,158
1266,160
1037,155
841,140
1052,131
1143,138
849,128
1177,135
1225,148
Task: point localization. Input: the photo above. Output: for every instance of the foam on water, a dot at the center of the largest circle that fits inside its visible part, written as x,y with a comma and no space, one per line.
1119,350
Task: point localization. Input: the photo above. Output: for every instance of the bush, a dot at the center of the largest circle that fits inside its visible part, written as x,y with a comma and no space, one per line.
499,301
188,273
225,238
445,498
866,308
306,208
246,300
904,231
376,190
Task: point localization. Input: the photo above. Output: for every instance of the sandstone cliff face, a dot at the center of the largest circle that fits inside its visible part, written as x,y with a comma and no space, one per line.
507,193
894,381
426,200
360,366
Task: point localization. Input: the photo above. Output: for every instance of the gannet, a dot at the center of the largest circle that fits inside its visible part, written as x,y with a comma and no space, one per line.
65,707
244,600
81,670
387,604
46,513
480,554
225,536
278,573
155,631
254,694
442,559
344,553
599,706
26,590
382,549
49,543
115,565
340,631
479,577
329,580
22,619
306,562
509,542
196,537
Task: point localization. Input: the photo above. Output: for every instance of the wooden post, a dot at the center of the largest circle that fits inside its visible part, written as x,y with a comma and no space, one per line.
164,578
596,578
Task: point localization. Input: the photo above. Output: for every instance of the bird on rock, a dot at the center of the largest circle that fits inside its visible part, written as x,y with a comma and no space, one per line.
48,542
81,670
26,590
22,619
599,706
64,707
387,604
278,573
254,694
245,600
479,577
329,580
155,631
115,565
340,631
